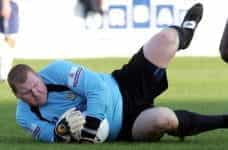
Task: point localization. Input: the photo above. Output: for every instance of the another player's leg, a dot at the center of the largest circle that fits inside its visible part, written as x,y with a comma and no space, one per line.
223,47
161,48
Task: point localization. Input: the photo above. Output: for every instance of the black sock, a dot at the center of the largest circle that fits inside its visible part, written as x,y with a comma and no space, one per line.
185,36
192,123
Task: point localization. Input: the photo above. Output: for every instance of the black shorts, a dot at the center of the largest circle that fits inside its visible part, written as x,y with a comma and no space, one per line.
140,82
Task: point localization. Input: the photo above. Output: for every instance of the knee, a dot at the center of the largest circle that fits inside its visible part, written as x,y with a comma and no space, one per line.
153,123
165,119
168,36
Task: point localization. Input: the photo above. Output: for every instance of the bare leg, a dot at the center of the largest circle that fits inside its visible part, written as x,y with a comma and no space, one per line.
152,123
161,48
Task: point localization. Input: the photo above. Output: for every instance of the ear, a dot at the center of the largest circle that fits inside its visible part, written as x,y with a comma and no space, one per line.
16,93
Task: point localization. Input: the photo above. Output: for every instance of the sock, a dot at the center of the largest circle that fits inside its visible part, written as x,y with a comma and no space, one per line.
192,123
185,36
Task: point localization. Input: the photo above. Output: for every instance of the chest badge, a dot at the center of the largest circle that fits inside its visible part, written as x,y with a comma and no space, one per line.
70,95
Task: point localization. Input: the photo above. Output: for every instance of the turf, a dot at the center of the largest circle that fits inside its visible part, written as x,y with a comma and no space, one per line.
197,84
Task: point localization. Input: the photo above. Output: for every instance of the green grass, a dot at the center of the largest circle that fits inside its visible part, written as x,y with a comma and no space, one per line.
197,84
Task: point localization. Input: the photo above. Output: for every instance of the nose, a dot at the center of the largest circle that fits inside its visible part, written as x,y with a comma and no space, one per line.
34,92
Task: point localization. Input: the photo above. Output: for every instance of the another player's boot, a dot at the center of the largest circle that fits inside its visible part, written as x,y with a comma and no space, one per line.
189,25
223,47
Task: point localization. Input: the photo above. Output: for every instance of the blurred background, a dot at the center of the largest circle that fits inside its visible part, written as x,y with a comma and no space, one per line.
108,28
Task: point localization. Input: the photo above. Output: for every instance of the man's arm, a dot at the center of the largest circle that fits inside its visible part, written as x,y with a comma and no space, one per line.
90,85
40,130
85,83
223,48
93,88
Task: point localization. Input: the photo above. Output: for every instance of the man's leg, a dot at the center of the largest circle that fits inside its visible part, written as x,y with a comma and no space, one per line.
191,123
161,48
223,47
153,123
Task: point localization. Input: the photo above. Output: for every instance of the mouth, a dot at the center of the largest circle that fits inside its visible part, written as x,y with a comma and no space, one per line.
38,100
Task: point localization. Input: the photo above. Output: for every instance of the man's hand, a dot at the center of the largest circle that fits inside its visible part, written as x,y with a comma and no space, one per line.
94,131
70,124
74,126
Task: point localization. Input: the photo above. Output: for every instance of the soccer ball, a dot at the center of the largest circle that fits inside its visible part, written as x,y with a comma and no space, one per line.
102,132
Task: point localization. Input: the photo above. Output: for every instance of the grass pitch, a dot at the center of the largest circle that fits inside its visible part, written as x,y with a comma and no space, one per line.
196,84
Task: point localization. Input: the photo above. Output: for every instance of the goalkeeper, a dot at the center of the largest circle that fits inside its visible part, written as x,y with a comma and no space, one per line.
125,98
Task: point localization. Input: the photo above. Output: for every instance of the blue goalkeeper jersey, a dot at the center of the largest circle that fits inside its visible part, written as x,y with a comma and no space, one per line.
95,94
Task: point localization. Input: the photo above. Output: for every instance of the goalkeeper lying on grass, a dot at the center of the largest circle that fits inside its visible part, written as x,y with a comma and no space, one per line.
67,102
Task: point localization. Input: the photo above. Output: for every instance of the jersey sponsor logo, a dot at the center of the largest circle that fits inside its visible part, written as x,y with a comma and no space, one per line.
74,76
70,95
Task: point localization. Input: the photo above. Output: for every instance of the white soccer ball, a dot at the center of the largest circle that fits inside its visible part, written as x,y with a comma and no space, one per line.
102,132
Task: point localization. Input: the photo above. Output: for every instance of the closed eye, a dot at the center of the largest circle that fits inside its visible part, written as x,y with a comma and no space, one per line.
26,92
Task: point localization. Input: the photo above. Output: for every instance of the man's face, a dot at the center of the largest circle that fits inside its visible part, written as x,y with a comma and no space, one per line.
33,91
